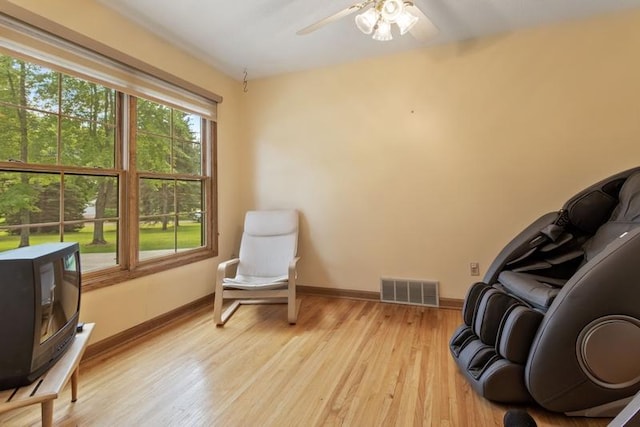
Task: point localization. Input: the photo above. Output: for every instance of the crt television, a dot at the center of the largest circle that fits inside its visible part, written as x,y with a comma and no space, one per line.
39,309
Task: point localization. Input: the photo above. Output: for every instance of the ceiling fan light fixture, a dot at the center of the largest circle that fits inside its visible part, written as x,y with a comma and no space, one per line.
376,17
406,21
391,10
366,21
383,31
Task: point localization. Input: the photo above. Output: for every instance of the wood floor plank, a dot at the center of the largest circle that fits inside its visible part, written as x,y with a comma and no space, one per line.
346,363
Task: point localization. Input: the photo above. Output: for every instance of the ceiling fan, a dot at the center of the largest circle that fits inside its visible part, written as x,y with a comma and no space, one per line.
377,19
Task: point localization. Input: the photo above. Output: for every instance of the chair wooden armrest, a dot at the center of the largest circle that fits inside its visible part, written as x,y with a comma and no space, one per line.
293,272
223,269
224,266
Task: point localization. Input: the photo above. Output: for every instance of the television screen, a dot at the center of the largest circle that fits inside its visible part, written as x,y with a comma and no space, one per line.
59,294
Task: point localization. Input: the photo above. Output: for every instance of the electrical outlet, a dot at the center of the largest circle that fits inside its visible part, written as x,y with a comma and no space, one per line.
474,268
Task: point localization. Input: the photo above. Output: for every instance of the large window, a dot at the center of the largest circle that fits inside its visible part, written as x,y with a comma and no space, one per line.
128,178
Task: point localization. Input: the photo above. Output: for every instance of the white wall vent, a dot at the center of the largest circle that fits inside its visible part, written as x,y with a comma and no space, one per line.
404,291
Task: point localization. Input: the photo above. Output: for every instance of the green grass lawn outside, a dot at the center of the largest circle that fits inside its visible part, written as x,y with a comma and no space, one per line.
152,237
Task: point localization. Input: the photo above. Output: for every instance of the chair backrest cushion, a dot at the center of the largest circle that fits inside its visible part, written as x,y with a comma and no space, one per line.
625,217
269,243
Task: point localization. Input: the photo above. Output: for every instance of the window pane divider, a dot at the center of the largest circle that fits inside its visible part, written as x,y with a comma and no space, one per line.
172,176
67,170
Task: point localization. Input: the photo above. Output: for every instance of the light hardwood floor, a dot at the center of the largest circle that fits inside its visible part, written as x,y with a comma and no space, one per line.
347,362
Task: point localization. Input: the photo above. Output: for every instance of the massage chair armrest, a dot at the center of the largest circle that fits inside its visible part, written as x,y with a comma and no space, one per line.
605,286
521,244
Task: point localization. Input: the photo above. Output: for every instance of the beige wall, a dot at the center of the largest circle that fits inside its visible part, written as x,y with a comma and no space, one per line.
122,306
416,164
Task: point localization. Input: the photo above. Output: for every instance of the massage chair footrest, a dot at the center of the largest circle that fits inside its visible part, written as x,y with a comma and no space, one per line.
492,376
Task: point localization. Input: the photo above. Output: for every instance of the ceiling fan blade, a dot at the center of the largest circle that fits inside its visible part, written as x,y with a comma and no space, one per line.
424,29
329,19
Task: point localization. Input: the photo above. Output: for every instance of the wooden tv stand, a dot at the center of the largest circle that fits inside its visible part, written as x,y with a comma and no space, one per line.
46,388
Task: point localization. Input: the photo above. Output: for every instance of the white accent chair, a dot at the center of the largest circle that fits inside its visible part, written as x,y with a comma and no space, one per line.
266,266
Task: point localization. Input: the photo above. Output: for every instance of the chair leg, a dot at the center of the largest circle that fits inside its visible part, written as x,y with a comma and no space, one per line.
217,305
293,314
229,311
292,310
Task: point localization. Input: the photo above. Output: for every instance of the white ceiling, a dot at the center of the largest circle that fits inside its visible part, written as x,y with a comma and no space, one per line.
260,35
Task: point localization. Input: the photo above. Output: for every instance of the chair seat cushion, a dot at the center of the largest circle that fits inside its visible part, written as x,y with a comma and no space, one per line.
255,282
537,293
